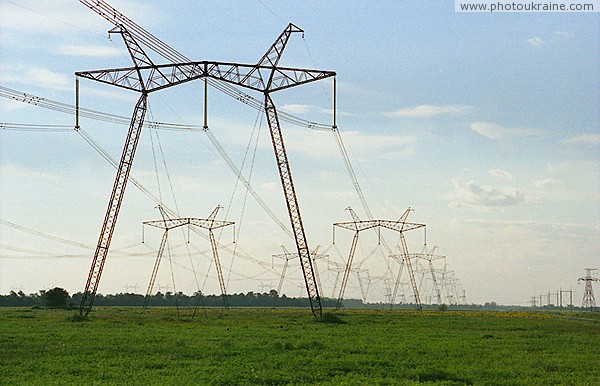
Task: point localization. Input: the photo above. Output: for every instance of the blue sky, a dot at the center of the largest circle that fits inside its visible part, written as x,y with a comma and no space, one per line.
485,124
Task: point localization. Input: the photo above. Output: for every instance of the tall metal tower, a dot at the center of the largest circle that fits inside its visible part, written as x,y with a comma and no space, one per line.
167,224
357,225
287,256
430,257
588,295
265,77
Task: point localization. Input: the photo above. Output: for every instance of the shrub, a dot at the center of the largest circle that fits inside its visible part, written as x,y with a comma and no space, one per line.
55,298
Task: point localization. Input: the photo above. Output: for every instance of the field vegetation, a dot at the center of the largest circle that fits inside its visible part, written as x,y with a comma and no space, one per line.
288,346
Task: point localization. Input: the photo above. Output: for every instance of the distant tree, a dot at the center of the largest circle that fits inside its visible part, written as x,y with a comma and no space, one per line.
55,298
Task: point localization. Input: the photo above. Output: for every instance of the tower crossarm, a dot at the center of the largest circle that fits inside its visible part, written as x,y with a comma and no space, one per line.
368,224
150,77
156,77
199,222
400,226
426,256
357,226
210,223
168,224
286,256
264,78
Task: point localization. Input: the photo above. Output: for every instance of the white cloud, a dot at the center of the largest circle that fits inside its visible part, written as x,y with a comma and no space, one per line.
568,181
547,183
358,144
488,129
297,108
502,174
22,172
589,139
89,50
47,78
493,130
567,34
319,144
578,175
473,195
11,105
549,226
536,42
367,145
37,76
425,111
293,108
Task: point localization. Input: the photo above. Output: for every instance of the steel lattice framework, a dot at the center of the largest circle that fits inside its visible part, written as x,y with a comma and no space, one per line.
358,225
430,257
139,57
145,77
588,296
247,75
168,223
287,256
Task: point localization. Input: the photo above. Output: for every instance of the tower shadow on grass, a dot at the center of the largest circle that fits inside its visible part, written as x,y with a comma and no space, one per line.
331,318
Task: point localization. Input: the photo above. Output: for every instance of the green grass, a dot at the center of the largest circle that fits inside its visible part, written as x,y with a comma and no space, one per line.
264,346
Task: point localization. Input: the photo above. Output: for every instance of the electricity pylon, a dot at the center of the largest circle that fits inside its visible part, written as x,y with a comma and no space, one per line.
209,223
287,256
405,259
266,77
588,295
430,257
364,292
400,226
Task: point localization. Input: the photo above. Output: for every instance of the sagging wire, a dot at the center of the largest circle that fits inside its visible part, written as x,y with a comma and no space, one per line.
241,218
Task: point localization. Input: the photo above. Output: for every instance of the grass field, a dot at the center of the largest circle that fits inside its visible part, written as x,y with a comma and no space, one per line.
267,346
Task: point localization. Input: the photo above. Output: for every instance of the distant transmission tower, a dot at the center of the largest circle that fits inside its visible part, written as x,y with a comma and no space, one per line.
209,223
358,225
588,295
430,257
287,256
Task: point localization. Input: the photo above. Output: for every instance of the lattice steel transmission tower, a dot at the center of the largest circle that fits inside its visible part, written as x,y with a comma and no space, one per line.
265,77
357,225
588,295
287,256
168,223
430,257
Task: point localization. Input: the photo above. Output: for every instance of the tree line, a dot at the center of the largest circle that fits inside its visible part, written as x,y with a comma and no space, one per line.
60,298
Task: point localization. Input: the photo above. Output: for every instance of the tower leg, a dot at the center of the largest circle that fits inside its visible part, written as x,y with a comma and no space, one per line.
114,205
161,249
397,284
213,244
411,273
347,271
293,207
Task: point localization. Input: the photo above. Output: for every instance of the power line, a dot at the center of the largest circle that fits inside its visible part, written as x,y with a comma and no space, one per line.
35,127
44,235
